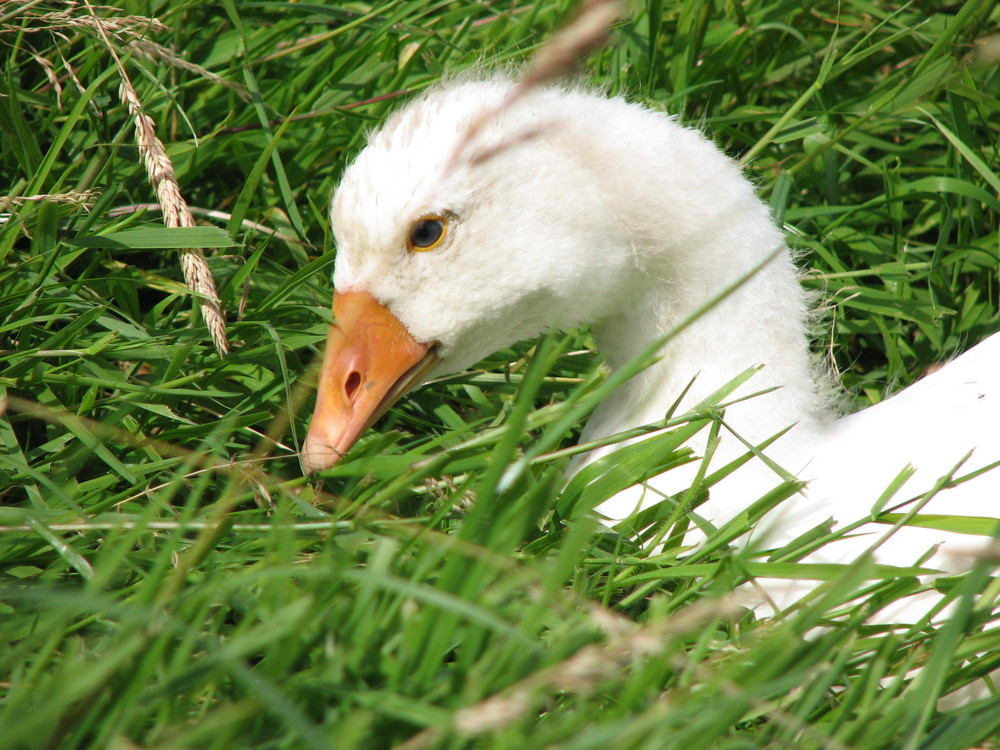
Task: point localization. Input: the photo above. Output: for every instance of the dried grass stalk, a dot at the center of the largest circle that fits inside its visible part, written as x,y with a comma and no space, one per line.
83,198
69,17
160,171
176,213
586,670
129,31
559,56
986,51
154,52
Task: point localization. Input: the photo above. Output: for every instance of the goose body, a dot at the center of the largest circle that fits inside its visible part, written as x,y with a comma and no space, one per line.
466,226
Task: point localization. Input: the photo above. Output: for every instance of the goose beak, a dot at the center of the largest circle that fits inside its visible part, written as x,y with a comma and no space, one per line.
371,360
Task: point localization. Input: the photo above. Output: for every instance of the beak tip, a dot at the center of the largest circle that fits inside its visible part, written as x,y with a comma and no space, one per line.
317,456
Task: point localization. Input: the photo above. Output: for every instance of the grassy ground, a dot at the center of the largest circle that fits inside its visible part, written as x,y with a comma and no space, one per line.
169,578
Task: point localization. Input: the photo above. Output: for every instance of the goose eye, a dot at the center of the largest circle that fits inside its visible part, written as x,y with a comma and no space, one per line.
427,233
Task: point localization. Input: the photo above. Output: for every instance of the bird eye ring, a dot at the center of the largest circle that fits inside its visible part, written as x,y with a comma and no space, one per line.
427,233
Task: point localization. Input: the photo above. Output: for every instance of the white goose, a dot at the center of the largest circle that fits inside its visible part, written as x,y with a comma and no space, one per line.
569,208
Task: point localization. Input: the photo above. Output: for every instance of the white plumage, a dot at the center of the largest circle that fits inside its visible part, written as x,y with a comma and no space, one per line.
569,208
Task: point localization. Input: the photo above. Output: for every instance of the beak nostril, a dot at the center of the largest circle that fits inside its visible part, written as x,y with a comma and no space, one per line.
352,384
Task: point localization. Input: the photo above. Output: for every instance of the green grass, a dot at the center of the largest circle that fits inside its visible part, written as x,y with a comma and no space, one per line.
170,579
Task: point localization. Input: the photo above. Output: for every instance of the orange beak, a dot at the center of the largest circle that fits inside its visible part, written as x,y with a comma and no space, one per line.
371,360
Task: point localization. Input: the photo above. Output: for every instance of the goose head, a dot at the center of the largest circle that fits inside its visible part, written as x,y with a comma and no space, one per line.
448,251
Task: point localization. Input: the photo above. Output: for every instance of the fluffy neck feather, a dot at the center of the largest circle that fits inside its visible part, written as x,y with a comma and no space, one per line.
697,227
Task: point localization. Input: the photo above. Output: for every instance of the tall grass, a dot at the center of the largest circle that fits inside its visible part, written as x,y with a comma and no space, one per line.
171,580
